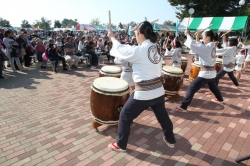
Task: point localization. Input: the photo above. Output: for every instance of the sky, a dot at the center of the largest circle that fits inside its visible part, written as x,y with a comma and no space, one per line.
84,11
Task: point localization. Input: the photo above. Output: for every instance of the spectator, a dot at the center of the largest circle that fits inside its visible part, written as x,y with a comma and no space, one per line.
93,59
12,49
55,56
40,49
69,53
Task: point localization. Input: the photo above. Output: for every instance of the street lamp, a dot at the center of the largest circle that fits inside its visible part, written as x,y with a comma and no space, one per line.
241,3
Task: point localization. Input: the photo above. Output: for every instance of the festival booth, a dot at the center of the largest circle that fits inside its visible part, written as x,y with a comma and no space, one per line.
218,23
85,27
159,27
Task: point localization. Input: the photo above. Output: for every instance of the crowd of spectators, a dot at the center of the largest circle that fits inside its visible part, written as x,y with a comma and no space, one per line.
29,47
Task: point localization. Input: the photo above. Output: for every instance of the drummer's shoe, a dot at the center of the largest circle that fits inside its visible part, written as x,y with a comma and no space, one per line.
169,144
179,109
114,147
217,101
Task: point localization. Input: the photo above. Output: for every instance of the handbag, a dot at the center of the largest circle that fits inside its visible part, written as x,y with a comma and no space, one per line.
22,51
4,57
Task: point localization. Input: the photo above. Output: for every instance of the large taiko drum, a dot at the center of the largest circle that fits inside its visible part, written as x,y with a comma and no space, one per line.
183,64
172,80
107,97
194,70
110,71
218,65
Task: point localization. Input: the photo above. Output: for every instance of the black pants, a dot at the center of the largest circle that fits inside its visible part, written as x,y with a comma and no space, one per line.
134,108
56,59
198,83
109,56
222,72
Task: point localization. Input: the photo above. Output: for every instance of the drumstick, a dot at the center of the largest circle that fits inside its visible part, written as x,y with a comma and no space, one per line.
206,28
150,23
154,21
188,22
227,32
110,21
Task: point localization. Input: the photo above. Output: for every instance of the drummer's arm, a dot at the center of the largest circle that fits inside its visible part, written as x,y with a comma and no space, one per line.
169,53
224,51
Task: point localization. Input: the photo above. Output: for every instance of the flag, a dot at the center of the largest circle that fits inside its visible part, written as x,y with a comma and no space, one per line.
177,25
146,19
154,27
129,30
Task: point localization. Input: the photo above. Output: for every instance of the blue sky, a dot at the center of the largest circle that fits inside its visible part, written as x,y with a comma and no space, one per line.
84,11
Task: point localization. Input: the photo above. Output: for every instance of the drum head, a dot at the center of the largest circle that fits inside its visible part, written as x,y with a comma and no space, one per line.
110,84
172,69
219,60
197,63
111,69
184,59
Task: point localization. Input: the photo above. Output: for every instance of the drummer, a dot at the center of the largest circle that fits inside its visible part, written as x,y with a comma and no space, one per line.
207,72
149,91
175,52
127,72
228,61
247,60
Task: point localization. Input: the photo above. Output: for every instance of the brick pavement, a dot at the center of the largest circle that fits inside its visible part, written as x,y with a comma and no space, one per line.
45,120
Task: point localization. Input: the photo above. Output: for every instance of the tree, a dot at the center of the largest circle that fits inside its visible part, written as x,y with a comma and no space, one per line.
69,22
211,8
132,23
73,23
25,24
95,22
171,23
4,23
57,24
43,24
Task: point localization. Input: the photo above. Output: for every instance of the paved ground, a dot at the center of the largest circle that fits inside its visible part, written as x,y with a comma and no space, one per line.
45,120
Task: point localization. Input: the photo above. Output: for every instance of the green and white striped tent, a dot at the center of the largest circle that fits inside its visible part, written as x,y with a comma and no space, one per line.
218,23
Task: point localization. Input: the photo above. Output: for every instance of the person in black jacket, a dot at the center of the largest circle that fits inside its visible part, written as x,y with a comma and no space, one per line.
93,58
55,56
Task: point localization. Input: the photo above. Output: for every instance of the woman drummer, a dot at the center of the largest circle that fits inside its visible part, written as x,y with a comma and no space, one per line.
175,52
206,51
149,91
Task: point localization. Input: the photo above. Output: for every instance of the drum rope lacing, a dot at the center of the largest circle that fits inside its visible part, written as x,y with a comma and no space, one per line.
104,122
171,92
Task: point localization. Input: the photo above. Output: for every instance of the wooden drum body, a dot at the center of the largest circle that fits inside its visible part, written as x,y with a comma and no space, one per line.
194,70
110,71
172,80
107,97
183,64
218,65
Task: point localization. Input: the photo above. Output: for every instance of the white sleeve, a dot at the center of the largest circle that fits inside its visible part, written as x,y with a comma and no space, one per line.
118,61
188,41
169,53
200,48
125,52
224,51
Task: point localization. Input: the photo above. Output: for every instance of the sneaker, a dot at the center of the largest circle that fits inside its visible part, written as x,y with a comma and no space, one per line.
55,71
179,109
114,147
217,101
65,69
169,144
74,67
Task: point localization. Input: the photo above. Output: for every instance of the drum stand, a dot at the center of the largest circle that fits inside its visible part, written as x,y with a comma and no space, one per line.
95,125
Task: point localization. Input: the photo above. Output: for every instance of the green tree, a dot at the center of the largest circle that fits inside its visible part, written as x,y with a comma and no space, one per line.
171,23
43,24
95,22
4,23
132,23
25,24
73,23
65,22
57,24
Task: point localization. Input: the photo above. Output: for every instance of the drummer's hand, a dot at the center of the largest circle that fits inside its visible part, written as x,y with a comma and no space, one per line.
198,33
135,28
111,35
187,32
